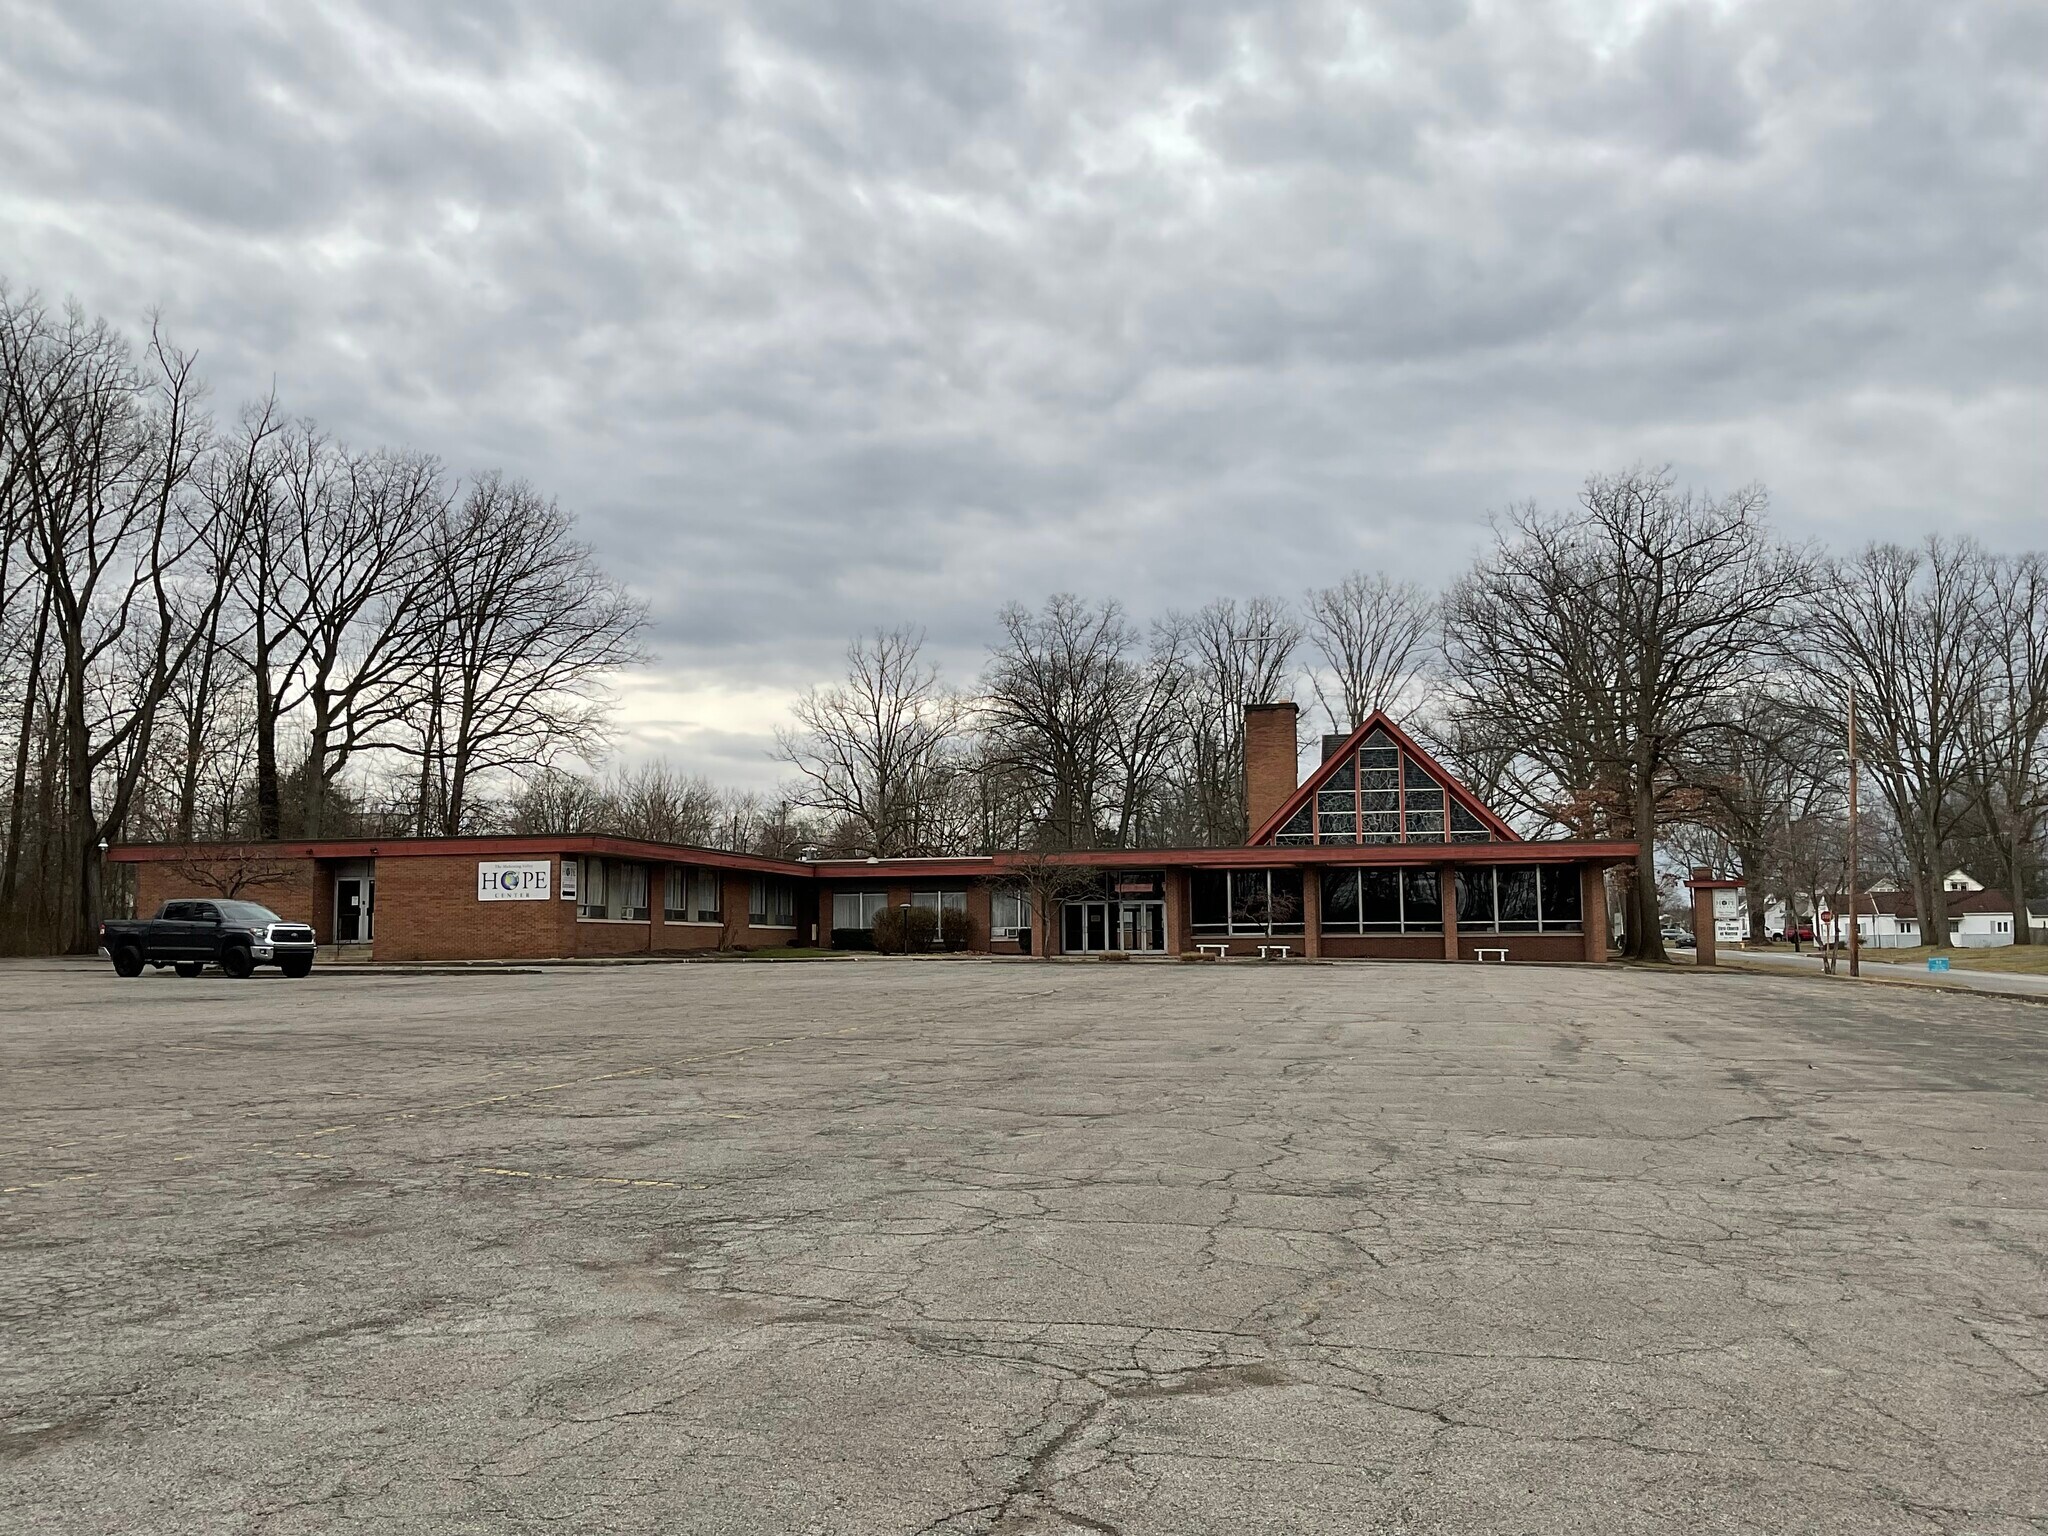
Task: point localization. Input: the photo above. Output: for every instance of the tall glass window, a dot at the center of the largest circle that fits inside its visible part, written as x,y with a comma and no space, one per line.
1519,898
1245,901
1382,900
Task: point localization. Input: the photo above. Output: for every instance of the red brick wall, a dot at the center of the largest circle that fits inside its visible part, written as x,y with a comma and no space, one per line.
1271,765
1383,946
292,888
427,910
1524,946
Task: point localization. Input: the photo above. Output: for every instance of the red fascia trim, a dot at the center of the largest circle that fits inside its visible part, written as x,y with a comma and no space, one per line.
511,847
1139,859
1379,719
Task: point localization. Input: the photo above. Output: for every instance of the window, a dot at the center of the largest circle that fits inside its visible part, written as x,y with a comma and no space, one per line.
691,896
940,901
1519,898
609,890
857,909
590,889
771,903
1251,901
1009,911
1382,794
1383,900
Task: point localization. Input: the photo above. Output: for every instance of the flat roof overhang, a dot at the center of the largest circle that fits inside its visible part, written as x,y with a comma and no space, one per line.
982,866
1410,854
528,845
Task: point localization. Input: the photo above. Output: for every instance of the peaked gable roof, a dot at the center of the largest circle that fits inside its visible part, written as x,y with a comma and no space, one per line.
1379,720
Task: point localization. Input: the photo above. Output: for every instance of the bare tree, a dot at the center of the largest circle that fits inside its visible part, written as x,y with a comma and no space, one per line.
1770,762
874,752
1374,636
1238,655
100,453
1608,642
1051,701
2007,741
552,800
364,546
658,802
1910,628
524,629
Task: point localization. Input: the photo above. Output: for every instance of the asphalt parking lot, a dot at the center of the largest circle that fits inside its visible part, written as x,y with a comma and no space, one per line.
959,1247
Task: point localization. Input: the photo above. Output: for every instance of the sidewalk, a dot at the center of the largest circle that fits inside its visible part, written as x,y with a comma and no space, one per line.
2000,983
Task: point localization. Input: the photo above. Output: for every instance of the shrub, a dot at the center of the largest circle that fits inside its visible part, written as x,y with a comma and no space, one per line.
898,931
954,930
853,938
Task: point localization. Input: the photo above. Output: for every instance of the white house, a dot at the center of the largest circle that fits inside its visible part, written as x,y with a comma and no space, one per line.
1888,918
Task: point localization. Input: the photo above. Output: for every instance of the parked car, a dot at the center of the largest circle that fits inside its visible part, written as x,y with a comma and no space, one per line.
1677,938
188,936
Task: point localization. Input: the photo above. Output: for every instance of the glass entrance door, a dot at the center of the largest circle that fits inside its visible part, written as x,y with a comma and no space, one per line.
1144,926
1100,927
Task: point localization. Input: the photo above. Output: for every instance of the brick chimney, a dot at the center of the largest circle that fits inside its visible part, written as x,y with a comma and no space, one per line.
1270,762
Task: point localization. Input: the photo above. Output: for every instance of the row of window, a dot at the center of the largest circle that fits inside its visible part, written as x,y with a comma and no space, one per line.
617,890
1507,898
1009,908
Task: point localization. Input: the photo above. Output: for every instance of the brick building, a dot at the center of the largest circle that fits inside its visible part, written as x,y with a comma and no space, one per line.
1378,853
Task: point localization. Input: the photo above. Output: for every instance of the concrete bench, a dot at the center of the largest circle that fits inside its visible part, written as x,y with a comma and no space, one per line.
1267,951
1218,950
1483,953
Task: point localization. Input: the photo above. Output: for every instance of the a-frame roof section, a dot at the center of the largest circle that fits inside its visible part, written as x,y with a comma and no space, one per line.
1378,720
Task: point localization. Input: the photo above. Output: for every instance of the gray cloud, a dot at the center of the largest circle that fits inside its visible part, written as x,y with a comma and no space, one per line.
829,316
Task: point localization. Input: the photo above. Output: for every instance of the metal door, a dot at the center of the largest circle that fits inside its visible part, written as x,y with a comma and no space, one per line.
348,911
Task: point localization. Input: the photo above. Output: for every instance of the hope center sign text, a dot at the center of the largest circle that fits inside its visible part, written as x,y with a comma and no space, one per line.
523,880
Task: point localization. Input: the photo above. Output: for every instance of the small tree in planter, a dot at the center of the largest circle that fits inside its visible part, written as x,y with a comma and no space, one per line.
1049,883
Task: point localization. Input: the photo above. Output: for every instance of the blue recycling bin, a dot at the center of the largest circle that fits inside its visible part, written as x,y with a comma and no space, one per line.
1937,962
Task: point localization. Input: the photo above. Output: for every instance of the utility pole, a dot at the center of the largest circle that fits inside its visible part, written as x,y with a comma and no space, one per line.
1855,899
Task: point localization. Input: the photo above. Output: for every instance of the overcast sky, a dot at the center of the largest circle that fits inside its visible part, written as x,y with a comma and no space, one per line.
825,314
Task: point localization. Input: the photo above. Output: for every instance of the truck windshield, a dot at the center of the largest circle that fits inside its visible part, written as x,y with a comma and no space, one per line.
246,912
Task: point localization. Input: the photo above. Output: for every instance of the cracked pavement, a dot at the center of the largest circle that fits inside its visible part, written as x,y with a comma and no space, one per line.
961,1247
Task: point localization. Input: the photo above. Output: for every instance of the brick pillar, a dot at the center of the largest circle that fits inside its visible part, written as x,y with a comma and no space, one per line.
1447,893
1312,913
1702,925
1270,760
1593,910
1176,889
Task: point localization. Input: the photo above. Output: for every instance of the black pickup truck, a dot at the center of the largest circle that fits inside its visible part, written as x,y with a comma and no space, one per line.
237,936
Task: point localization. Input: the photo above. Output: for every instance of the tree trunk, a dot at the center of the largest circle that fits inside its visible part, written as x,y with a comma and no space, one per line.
80,932
2016,888
314,813
10,874
1649,938
269,802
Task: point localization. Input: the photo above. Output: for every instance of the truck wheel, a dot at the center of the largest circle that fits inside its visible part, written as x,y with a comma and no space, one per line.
297,966
128,960
237,961
188,968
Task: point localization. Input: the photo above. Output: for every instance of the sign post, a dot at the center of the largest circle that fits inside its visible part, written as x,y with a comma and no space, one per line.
1716,910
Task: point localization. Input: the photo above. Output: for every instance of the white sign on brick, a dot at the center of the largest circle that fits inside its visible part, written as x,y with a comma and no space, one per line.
519,880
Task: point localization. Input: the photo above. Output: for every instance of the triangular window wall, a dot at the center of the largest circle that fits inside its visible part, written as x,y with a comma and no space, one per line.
1380,794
